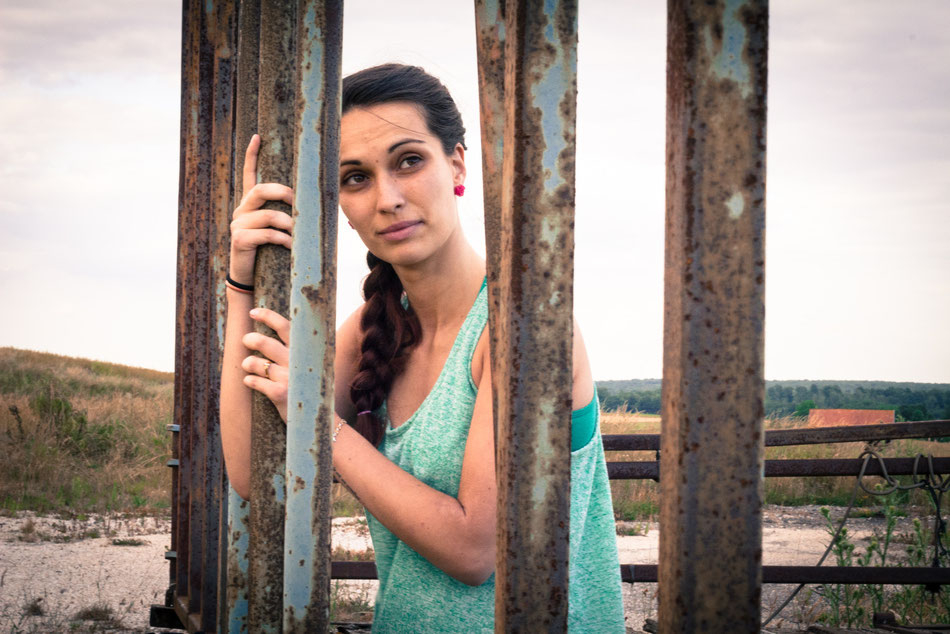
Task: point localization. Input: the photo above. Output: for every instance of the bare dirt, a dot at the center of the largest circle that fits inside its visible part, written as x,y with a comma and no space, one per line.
60,567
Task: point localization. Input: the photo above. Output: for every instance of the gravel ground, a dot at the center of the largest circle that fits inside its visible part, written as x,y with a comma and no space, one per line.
60,567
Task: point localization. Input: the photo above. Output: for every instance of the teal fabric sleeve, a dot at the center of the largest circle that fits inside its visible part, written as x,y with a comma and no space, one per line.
584,423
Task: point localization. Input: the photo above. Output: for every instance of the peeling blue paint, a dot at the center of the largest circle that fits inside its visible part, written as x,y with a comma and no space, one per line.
728,63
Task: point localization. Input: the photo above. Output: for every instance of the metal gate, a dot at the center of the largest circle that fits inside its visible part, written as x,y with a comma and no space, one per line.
273,66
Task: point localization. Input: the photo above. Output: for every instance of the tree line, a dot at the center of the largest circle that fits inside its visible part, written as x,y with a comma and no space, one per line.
910,401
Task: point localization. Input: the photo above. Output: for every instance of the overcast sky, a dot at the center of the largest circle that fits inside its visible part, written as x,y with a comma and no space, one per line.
858,186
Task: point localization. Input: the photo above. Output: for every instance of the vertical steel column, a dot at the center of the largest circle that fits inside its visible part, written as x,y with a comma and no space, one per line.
490,46
193,312
713,387
222,35
310,398
233,588
182,360
532,363
198,582
272,283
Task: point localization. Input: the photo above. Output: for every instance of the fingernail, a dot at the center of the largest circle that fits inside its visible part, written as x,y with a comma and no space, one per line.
255,312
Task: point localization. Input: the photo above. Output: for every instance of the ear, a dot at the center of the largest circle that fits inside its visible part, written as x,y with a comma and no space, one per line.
457,160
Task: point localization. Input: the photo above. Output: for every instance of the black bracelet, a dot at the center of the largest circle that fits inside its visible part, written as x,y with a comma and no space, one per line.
238,285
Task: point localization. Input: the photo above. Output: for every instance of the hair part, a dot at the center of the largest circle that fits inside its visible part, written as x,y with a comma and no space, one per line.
389,329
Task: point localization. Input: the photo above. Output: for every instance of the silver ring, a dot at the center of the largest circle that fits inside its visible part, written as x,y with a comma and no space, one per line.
267,365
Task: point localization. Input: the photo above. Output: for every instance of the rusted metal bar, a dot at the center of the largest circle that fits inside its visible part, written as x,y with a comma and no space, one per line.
184,348
490,48
857,433
798,468
812,436
532,360
272,289
220,27
197,218
233,587
313,309
181,306
647,573
713,383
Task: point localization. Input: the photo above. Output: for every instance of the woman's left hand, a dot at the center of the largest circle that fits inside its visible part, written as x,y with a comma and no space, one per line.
268,373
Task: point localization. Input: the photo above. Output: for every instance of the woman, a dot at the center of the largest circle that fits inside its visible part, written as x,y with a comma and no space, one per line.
413,435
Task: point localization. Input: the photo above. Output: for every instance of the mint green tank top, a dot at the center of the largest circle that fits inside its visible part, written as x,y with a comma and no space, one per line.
414,595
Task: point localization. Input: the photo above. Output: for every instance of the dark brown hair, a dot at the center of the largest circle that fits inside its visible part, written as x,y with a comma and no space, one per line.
389,329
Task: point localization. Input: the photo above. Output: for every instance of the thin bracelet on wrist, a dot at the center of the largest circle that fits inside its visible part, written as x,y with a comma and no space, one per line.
244,288
336,431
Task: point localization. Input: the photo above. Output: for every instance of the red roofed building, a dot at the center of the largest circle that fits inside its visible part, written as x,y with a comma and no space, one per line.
843,417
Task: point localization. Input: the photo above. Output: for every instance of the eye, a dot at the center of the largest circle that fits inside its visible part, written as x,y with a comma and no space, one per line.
353,178
409,161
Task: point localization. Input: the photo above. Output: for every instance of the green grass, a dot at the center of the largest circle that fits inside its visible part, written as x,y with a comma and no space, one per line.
82,436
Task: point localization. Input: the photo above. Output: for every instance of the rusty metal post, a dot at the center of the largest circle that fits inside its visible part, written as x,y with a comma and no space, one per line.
222,29
490,45
310,398
233,586
272,289
177,555
194,314
532,363
713,385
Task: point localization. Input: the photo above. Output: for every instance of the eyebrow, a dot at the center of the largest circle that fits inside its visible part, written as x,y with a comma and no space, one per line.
391,149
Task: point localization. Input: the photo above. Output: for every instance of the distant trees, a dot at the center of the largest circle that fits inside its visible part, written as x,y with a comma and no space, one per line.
784,398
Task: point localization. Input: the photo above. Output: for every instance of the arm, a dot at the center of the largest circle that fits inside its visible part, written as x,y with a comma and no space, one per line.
456,534
250,227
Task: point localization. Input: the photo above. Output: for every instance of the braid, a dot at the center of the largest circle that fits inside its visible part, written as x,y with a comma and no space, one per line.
389,332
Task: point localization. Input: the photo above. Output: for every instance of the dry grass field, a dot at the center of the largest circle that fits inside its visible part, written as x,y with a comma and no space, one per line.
81,436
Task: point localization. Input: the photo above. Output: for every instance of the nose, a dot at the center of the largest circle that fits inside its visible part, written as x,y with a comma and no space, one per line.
389,195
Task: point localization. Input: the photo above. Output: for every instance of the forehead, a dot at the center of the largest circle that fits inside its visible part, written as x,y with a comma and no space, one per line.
369,128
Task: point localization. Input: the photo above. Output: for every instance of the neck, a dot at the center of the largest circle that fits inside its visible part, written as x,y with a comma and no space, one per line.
442,289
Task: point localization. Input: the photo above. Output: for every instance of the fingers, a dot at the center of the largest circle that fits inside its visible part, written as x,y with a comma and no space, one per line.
250,164
268,346
276,391
260,193
277,322
265,369
250,239
260,218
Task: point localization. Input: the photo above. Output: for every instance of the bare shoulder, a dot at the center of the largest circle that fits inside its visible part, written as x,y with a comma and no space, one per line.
583,379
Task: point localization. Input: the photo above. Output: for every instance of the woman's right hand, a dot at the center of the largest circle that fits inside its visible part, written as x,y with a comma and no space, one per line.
252,226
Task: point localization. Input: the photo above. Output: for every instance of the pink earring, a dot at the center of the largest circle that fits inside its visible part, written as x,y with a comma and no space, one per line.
459,190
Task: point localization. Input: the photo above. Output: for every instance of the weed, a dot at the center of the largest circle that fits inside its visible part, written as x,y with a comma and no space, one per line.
628,529
34,607
128,541
99,613
350,603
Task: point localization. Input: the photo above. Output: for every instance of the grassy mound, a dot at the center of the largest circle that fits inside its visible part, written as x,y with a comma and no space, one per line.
83,436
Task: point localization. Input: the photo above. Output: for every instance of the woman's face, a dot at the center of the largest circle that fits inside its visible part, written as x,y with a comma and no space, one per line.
396,182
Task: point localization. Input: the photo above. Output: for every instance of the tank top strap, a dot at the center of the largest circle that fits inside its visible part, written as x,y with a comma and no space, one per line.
471,332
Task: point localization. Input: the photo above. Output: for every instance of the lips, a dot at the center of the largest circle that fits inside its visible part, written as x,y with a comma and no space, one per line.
399,230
